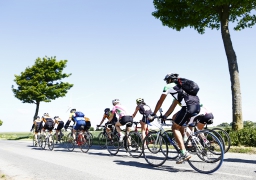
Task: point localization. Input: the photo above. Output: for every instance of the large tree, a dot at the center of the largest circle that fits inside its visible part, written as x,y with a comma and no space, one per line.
42,82
214,14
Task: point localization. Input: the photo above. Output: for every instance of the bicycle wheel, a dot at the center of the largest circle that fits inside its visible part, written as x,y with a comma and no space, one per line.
225,138
209,152
156,150
50,143
112,144
102,140
85,142
42,142
134,143
172,152
70,144
91,138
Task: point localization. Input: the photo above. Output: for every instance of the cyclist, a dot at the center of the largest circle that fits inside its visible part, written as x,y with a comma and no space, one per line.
107,114
60,124
190,106
49,124
37,126
87,124
124,117
145,111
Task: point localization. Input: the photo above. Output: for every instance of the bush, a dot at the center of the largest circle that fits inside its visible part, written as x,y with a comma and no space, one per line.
245,136
91,129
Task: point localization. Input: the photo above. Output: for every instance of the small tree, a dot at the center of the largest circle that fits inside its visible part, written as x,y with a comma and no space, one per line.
214,14
42,82
225,124
1,122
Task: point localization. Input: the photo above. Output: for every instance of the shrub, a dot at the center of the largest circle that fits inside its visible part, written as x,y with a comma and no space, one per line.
245,136
91,129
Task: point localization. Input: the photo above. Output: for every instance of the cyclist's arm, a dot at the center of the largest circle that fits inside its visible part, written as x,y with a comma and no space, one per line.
111,116
159,103
135,112
104,117
171,108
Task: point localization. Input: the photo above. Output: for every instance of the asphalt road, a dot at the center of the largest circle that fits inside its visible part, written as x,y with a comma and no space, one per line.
19,160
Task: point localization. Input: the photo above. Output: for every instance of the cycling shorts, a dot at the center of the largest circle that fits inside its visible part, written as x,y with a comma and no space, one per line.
186,113
79,125
205,119
87,125
60,125
144,118
126,119
48,125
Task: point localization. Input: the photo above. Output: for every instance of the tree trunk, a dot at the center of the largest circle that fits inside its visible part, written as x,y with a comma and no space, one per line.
233,71
37,109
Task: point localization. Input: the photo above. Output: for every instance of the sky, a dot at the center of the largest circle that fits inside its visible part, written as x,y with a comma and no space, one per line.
116,49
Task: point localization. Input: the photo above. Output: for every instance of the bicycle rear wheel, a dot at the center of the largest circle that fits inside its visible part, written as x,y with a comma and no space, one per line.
102,140
112,144
42,142
134,143
85,143
70,144
91,138
172,152
50,141
208,154
225,138
156,150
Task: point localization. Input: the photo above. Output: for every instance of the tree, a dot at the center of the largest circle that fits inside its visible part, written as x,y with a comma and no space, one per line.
42,82
1,122
202,14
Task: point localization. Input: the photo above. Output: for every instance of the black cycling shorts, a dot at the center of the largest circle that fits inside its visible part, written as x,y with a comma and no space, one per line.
186,113
144,118
60,125
126,119
48,125
87,125
205,119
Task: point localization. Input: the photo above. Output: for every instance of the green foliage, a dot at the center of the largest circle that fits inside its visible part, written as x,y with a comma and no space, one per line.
249,124
201,14
42,81
1,122
91,129
245,136
225,124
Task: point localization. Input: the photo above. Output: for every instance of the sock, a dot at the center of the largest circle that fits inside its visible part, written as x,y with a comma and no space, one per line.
183,152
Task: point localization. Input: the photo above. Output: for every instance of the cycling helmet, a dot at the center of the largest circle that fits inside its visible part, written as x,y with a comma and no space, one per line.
72,110
56,117
171,76
37,116
106,110
115,101
139,100
46,114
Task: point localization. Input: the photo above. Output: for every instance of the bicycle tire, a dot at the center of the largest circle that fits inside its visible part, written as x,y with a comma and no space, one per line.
102,140
135,145
225,138
50,143
42,142
85,143
112,144
91,139
156,151
70,144
34,142
204,162
172,152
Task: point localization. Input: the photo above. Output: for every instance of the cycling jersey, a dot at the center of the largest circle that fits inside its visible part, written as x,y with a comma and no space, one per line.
120,110
183,98
144,109
38,125
114,119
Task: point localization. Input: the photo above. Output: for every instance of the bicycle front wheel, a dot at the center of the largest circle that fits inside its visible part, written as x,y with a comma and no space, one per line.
102,140
112,143
172,151
156,150
209,152
225,138
70,144
85,143
134,143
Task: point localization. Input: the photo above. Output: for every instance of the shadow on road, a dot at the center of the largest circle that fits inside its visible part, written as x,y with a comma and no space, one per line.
240,160
146,166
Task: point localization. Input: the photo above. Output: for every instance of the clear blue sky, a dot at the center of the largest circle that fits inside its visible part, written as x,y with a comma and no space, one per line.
116,49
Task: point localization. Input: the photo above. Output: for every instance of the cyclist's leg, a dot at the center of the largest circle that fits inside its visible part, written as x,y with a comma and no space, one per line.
143,127
118,129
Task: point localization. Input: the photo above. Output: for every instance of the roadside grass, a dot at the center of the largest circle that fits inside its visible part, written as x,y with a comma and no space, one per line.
29,135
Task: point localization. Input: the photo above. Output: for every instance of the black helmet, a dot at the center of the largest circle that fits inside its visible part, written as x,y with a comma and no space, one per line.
46,114
107,110
72,110
56,117
37,116
171,76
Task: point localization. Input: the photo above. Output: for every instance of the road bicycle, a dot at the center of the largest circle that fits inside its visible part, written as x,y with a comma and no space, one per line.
103,135
129,142
61,137
46,139
82,139
208,155
36,142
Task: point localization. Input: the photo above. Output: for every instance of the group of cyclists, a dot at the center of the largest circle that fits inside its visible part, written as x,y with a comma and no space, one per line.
191,111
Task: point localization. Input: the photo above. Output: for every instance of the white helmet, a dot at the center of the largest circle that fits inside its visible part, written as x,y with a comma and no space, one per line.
115,101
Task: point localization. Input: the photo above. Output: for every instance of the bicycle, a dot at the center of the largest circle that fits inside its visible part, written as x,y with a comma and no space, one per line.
36,141
103,135
129,143
208,155
46,139
61,137
82,140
